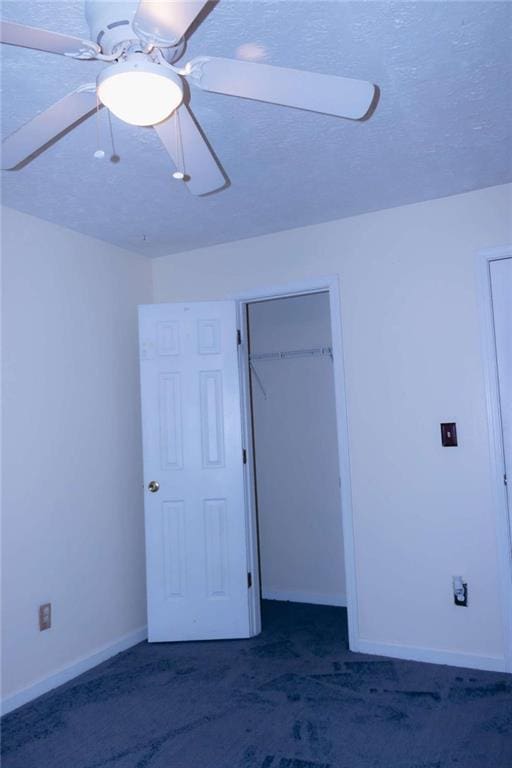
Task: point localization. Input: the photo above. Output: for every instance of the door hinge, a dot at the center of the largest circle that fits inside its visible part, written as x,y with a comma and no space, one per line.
505,478
249,580
244,456
238,337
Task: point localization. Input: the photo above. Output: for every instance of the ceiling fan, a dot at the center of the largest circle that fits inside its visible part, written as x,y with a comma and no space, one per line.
141,41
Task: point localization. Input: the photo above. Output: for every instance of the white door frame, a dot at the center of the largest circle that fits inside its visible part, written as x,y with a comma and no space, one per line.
496,449
328,284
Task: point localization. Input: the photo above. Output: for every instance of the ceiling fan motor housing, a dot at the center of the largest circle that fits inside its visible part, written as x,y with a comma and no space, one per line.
111,22
111,25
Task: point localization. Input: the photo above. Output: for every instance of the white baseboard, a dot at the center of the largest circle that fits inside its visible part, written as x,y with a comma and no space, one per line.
65,674
431,656
316,598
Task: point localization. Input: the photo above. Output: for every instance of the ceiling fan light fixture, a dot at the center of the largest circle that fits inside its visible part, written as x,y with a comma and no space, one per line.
139,91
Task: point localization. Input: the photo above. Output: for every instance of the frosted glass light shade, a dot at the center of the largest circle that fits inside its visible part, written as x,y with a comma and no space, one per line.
140,92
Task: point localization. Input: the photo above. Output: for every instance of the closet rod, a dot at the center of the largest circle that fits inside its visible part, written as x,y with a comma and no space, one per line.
314,352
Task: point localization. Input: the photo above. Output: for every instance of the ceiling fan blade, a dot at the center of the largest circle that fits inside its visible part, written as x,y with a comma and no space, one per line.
32,136
330,94
192,154
43,40
166,21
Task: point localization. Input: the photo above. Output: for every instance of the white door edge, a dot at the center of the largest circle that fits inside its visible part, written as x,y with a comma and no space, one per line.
496,451
249,479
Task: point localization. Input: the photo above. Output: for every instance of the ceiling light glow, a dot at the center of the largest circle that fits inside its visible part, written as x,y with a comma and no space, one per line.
139,91
251,52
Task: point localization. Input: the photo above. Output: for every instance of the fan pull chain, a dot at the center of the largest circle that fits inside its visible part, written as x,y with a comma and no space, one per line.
114,157
179,174
99,154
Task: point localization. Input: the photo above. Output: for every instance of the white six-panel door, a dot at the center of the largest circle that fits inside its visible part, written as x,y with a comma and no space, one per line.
196,546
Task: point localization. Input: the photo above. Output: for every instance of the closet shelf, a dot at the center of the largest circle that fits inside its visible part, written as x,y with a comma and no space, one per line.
290,353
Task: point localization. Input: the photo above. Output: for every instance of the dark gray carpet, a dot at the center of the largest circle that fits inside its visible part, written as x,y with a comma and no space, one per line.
293,697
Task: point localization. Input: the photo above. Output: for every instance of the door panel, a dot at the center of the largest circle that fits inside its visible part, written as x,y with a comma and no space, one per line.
196,544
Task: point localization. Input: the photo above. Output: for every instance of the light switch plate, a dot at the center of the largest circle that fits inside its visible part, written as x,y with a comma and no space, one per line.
449,434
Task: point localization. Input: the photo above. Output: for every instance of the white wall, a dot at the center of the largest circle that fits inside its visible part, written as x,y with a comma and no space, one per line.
422,513
72,472
299,513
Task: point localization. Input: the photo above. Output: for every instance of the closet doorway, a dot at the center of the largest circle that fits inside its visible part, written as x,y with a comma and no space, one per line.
297,455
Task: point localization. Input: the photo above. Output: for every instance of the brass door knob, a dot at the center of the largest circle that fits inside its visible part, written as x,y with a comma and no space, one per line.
153,486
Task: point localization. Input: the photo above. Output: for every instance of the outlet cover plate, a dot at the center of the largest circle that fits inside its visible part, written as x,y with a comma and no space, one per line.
45,616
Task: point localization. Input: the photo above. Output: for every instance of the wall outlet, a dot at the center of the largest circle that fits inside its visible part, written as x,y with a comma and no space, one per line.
460,591
45,616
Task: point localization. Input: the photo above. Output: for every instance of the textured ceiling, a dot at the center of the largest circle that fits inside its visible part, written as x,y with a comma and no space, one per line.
443,124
